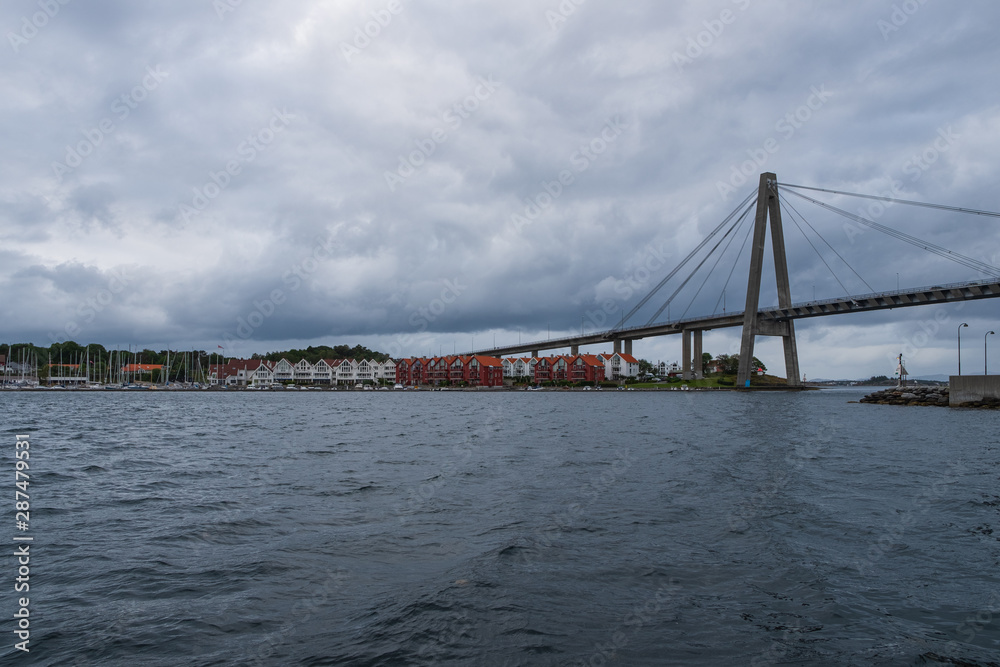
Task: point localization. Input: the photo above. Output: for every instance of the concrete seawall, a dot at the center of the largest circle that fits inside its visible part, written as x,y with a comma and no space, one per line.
975,389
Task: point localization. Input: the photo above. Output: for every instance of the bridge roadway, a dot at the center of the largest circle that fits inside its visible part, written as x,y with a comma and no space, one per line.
769,319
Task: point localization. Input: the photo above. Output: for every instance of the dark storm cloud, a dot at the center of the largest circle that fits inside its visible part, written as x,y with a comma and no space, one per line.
212,149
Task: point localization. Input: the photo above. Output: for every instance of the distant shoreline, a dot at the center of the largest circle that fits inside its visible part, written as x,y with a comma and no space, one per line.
408,390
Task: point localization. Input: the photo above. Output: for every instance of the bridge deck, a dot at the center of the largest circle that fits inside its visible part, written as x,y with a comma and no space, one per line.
920,296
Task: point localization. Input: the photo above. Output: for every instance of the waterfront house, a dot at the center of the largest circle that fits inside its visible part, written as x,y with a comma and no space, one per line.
262,375
386,370
476,371
618,366
483,371
302,372
323,371
587,368
517,367
543,369
284,371
347,372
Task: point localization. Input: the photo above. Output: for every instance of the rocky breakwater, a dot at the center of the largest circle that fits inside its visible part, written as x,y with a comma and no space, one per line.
909,396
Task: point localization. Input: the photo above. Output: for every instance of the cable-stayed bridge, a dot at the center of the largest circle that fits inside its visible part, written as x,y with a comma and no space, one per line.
777,321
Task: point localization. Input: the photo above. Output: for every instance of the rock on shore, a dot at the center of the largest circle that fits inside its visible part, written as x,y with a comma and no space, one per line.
910,396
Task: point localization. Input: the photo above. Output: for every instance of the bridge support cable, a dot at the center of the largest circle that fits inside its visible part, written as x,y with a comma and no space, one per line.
942,207
722,294
795,212
981,267
722,254
659,286
691,275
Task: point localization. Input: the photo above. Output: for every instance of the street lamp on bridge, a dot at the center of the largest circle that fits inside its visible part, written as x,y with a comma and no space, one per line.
986,354
963,324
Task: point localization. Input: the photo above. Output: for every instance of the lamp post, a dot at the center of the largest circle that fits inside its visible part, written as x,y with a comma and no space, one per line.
963,324
986,353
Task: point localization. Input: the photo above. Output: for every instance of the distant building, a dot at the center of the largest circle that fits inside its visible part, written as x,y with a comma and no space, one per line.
474,371
618,366
260,372
587,368
663,369
518,367
243,372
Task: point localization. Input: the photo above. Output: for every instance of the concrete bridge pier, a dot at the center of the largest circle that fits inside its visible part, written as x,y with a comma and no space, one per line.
574,350
686,354
618,346
534,354
699,371
692,366
628,346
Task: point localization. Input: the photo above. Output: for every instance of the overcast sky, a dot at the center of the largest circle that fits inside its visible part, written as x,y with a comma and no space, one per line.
426,176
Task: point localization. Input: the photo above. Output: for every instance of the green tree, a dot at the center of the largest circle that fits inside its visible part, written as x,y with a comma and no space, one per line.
730,364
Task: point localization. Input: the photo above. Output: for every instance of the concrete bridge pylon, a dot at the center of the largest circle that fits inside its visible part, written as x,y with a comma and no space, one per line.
768,208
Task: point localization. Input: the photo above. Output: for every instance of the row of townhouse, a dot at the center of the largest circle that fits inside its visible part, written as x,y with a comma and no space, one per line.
257,372
475,371
574,368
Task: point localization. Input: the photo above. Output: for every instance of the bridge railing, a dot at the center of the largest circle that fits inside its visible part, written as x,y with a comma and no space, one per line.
679,324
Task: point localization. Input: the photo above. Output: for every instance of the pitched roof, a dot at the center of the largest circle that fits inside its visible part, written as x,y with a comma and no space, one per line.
136,368
627,358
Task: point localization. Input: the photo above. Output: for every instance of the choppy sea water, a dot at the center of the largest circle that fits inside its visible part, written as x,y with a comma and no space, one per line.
595,528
